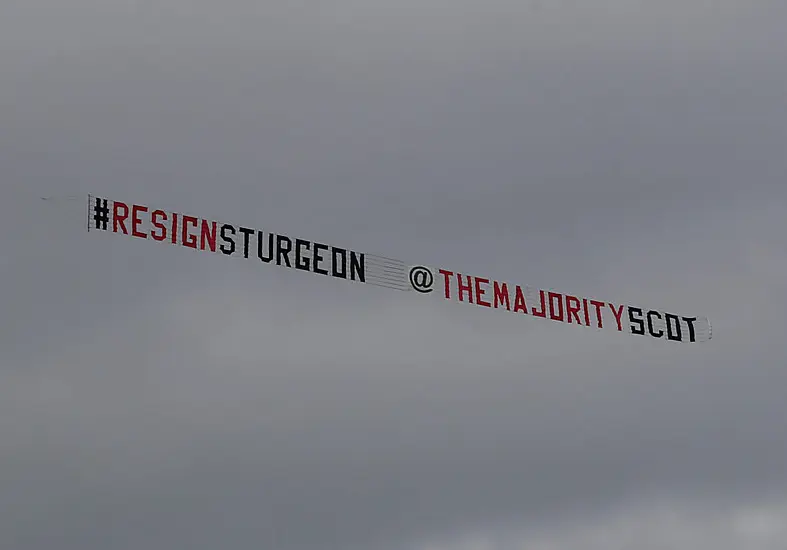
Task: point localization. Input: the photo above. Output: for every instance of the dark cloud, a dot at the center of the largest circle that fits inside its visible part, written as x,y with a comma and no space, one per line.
154,397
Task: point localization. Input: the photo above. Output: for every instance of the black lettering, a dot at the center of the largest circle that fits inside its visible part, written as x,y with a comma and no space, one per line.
301,262
260,248
651,314
228,250
342,254
637,323
690,321
282,251
674,336
318,258
246,234
358,266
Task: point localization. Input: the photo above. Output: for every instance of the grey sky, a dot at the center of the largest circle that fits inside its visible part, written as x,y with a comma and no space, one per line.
151,397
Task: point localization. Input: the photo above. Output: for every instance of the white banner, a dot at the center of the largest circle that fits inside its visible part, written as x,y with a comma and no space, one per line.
271,248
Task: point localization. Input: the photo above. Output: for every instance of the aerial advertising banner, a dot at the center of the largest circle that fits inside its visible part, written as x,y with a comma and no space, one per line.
341,262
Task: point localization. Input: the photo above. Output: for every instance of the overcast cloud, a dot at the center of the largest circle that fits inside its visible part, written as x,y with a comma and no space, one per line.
152,397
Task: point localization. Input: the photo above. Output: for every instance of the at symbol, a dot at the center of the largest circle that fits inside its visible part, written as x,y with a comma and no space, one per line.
421,279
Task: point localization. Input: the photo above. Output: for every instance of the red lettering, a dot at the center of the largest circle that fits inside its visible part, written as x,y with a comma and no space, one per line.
598,305
208,234
618,313
479,292
135,221
572,309
468,288
519,301
556,315
543,311
174,228
501,295
118,218
587,312
158,225
446,275
189,240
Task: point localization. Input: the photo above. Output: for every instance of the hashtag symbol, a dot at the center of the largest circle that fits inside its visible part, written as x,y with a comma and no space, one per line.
101,213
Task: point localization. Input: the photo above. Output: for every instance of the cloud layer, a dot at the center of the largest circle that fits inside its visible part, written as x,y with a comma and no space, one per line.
153,397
